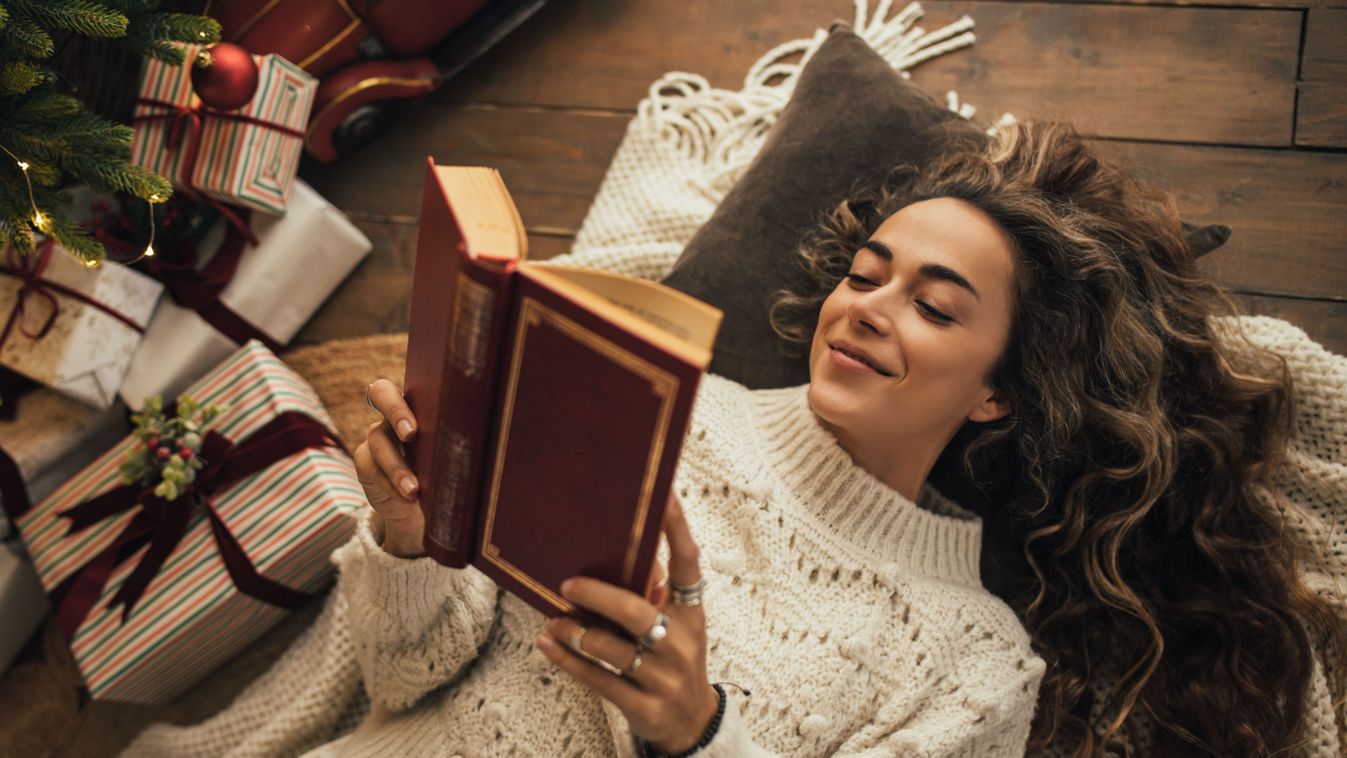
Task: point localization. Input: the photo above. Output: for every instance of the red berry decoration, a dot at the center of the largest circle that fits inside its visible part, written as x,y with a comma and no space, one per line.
186,453
164,453
224,76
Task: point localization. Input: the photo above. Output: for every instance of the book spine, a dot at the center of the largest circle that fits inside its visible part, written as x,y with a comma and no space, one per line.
468,401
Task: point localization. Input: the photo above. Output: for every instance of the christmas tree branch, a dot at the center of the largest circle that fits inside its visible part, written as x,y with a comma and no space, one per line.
51,138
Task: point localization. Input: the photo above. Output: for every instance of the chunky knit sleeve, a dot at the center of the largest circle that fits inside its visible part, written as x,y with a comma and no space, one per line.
414,623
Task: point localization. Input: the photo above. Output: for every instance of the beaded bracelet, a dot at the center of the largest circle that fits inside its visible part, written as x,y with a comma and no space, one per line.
649,752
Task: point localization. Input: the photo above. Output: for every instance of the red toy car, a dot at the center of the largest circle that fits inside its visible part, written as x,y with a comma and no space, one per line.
365,52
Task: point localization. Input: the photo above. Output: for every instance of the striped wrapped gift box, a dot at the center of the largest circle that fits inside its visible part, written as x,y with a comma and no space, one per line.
288,518
231,160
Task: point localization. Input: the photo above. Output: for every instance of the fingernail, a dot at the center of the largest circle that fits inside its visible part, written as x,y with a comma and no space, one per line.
408,486
545,643
404,428
566,586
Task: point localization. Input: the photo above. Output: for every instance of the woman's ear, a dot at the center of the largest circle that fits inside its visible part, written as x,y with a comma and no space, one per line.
993,406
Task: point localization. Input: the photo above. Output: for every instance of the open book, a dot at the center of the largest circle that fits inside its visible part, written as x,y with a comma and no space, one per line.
552,401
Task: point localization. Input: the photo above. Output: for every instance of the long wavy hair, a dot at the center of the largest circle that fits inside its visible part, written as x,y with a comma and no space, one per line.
1118,496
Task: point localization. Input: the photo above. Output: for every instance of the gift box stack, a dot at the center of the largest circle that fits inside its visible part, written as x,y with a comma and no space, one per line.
97,341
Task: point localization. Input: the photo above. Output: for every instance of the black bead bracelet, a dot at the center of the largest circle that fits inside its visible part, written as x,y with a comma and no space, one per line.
650,752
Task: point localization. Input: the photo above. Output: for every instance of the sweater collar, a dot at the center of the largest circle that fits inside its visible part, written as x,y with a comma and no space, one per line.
933,537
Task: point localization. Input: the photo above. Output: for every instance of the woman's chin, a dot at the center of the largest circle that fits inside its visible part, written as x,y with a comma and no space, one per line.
830,403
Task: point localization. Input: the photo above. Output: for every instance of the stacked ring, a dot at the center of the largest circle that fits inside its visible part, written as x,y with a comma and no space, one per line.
687,594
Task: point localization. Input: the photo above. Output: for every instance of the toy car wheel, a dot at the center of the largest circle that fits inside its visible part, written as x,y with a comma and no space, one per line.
363,125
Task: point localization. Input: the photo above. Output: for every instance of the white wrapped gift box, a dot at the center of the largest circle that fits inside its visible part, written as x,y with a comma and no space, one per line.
279,284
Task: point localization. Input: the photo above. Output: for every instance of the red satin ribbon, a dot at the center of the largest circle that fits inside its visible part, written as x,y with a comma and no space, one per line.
12,387
29,270
185,122
13,490
200,290
163,523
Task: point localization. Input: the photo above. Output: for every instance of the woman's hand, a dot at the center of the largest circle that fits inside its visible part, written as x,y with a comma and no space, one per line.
667,697
389,484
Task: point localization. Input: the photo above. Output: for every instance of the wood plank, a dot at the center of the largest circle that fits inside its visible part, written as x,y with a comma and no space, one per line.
1287,210
1281,4
1321,112
1148,72
1325,321
1164,73
375,299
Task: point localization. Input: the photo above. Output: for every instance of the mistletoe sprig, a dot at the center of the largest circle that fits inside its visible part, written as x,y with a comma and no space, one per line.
170,454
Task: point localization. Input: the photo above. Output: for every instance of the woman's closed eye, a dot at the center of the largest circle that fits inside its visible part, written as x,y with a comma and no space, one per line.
932,313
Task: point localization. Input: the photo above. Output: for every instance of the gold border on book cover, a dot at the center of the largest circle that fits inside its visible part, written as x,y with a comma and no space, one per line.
663,385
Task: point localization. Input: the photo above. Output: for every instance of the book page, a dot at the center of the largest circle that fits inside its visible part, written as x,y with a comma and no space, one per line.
674,314
485,212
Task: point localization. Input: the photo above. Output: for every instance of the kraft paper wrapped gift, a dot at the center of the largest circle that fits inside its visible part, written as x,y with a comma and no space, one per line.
276,497
299,260
22,604
70,327
246,157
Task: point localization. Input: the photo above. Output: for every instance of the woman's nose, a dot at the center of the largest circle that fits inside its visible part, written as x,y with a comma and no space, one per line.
867,311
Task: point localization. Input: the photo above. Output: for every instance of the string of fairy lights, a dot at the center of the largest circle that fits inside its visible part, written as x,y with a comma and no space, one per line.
42,223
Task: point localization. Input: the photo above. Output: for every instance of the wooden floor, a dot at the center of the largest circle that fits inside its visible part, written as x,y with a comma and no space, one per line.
1238,108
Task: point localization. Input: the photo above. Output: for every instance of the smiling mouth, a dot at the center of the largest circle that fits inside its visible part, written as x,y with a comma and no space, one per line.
861,359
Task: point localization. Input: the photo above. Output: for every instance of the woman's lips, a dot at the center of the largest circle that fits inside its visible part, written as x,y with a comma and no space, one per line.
852,360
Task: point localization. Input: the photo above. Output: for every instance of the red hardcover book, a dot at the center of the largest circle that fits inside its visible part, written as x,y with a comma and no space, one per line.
552,400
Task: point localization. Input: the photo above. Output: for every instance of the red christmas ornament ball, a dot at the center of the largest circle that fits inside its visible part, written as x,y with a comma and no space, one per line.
224,76
186,453
164,453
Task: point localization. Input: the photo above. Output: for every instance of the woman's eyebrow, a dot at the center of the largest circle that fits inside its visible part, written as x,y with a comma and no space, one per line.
928,270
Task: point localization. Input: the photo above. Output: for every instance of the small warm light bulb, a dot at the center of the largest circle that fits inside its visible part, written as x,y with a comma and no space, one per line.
39,220
156,199
23,165
92,264
149,252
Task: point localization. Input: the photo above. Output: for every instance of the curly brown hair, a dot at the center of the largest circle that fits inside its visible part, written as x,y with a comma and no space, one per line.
1125,529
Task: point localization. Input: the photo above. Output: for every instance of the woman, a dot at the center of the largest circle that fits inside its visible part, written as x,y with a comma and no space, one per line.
1030,298
1131,523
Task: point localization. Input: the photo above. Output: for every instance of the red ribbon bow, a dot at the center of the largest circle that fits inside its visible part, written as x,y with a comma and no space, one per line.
200,290
185,124
29,270
163,523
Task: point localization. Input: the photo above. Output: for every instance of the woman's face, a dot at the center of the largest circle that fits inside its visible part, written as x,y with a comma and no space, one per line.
905,341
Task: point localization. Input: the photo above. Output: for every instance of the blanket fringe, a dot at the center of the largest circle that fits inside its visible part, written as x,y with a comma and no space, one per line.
722,130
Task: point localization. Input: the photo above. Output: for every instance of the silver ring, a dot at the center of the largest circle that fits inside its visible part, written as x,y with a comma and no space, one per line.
635,664
687,594
369,400
658,631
